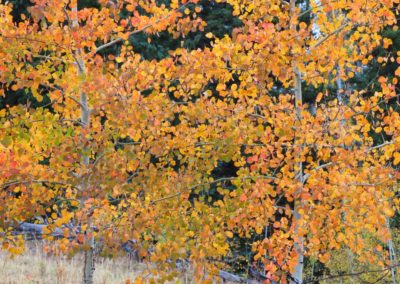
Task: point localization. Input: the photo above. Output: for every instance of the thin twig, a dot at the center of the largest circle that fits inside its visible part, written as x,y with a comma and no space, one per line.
118,40
335,32
165,198
232,178
306,176
380,146
350,274
213,182
17,182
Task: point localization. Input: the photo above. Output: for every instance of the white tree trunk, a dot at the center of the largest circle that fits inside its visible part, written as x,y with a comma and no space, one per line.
298,245
392,254
298,271
89,261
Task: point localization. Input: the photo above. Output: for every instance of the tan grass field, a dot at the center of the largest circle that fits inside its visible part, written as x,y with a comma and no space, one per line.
35,266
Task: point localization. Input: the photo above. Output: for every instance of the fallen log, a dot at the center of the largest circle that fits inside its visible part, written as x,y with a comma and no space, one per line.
37,229
227,276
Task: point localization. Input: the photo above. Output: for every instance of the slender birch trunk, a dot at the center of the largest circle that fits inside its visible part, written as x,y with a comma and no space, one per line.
298,245
392,254
339,85
298,271
89,261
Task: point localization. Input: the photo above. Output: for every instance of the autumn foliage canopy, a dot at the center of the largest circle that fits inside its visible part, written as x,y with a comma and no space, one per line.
121,147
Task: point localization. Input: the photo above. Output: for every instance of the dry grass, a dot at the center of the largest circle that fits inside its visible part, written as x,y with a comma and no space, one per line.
35,266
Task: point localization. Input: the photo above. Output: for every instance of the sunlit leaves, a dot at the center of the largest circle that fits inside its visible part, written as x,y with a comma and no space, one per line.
160,129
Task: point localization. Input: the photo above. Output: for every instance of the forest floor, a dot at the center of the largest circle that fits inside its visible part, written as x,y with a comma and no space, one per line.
36,266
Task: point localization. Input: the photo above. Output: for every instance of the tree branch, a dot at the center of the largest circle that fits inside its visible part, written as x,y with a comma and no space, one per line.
232,178
17,182
335,32
350,274
306,176
210,183
165,198
380,146
118,40
315,7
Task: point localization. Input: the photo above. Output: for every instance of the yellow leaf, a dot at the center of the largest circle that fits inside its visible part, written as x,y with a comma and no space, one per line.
389,212
319,97
136,137
303,25
396,158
